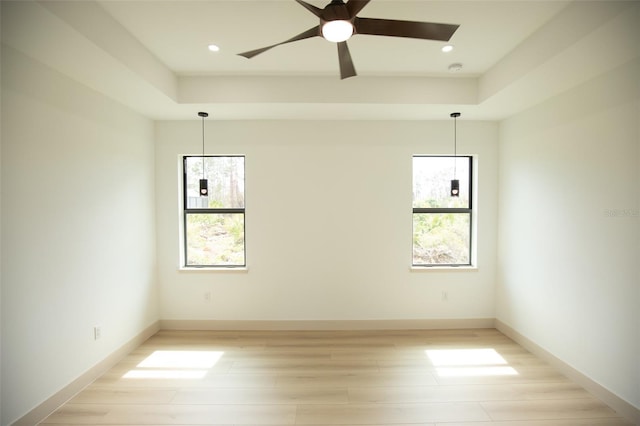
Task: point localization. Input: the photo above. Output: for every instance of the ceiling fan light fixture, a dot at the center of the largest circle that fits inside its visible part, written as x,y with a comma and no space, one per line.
337,31
339,21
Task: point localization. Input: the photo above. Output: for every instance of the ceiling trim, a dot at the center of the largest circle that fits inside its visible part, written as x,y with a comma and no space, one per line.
82,41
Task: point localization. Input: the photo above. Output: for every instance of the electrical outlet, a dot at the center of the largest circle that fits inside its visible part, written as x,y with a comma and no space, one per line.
445,296
207,296
97,332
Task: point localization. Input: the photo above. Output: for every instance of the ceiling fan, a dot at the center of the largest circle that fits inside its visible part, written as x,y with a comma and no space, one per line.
338,22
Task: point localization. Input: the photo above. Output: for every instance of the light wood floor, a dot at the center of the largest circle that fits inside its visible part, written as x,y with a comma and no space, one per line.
419,378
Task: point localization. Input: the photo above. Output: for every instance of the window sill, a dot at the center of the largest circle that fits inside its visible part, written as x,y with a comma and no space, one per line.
442,268
213,269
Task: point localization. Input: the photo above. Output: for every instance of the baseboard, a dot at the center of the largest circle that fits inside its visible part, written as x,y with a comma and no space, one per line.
302,325
622,407
43,410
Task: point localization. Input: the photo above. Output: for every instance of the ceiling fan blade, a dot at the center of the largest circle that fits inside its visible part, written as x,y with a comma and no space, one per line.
311,32
346,63
355,6
311,8
409,29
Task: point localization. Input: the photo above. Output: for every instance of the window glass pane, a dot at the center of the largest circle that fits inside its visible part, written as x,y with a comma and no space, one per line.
432,182
441,238
215,239
226,182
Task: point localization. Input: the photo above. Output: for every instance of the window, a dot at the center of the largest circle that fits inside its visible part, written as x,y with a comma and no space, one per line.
441,223
214,225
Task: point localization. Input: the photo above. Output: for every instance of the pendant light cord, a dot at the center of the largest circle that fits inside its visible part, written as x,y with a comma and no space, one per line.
455,146
455,116
203,115
203,148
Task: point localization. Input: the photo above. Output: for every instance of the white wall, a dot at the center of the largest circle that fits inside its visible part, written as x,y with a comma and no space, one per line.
0,228
78,243
328,223
569,228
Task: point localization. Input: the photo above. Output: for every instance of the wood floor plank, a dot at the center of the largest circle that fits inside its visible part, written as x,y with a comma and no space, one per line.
548,409
209,381
121,414
462,393
375,414
124,396
496,375
294,365
612,421
355,379
262,396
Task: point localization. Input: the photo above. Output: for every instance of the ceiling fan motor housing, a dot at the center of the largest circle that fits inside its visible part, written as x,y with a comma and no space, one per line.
335,11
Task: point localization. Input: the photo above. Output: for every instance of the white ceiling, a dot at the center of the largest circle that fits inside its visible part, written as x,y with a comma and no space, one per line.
178,32
152,56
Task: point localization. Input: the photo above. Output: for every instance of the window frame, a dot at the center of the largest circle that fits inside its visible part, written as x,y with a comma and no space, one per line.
186,211
436,210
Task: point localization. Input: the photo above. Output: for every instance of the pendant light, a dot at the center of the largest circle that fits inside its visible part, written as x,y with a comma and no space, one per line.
204,184
455,183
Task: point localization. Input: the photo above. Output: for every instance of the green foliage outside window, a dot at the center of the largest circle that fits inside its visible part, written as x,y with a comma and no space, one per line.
440,239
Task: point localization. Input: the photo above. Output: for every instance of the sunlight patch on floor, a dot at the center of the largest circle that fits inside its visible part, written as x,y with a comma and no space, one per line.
175,365
181,359
165,374
475,371
469,362
446,357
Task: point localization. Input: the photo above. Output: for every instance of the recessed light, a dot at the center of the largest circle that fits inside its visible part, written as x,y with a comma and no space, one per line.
447,48
213,48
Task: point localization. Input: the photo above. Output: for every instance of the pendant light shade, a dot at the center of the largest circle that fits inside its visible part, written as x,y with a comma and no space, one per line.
204,184
455,188
204,187
455,183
